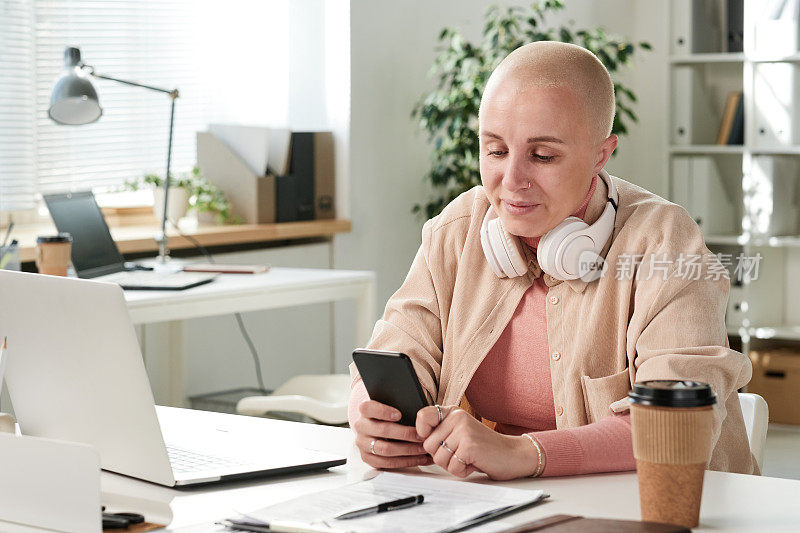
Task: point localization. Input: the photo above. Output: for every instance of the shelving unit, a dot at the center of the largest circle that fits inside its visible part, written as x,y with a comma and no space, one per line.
703,149
754,174
698,59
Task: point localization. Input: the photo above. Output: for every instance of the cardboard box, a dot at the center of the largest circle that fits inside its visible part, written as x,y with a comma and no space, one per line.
776,377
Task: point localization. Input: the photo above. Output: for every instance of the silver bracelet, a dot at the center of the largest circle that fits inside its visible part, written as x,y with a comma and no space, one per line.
540,466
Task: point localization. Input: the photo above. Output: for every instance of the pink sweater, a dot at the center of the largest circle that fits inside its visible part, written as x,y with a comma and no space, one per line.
512,387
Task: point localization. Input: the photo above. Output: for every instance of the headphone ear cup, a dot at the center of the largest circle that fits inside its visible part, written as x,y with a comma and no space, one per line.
497,242
516,262
549,253
486,244
503,251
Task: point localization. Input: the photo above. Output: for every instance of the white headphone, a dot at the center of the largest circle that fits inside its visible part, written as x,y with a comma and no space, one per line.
571,250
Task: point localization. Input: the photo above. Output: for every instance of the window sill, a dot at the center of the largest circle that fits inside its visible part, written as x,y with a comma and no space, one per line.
135,238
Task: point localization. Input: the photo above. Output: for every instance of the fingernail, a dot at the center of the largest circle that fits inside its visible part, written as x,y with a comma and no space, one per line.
395,415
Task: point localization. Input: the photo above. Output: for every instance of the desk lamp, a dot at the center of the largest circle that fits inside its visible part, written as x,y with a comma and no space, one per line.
74,101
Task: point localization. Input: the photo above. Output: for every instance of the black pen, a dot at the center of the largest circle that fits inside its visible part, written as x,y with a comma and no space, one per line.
402,503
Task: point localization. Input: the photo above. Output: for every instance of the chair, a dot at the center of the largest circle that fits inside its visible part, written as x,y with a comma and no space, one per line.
756,418
323,398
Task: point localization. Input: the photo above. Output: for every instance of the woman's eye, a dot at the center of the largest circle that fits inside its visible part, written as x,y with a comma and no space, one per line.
544,158
497,153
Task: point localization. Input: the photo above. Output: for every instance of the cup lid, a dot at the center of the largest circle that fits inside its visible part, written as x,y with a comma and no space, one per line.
672,393
61,237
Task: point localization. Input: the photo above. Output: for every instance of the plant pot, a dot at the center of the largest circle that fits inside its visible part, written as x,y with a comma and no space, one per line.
207,218
178,203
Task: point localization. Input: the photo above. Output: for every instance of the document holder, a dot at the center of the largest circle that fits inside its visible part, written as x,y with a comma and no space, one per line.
48,485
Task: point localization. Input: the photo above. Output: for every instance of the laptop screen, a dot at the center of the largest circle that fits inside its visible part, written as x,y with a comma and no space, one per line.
94,252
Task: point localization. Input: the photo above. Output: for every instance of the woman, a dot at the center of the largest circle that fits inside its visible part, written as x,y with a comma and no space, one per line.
527,355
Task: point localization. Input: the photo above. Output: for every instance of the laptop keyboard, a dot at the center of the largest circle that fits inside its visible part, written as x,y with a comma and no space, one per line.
185,461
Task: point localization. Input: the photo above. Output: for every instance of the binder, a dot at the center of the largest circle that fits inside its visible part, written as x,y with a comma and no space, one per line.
694,121
308,190
696,27
735,26
736,134
698,187
774,211
730,114
777,116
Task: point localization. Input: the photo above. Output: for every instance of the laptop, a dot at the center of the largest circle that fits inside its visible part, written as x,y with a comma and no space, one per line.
95,254
74,372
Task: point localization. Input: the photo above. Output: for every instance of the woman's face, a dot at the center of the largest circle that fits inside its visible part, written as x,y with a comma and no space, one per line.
541,136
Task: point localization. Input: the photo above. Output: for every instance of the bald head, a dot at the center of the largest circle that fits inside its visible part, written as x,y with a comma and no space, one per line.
560,65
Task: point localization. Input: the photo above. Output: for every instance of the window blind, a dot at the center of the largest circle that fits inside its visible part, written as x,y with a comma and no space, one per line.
229,60
147,41
17,105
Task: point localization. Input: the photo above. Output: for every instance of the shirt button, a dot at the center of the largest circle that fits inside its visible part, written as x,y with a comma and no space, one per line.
559,410
556,356
554,300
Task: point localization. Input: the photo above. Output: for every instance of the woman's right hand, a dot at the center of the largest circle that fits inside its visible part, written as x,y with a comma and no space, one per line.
376,425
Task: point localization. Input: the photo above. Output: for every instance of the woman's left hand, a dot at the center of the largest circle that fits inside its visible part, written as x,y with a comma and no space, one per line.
473,446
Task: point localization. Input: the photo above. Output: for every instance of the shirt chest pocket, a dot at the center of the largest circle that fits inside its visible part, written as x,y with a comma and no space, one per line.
600,393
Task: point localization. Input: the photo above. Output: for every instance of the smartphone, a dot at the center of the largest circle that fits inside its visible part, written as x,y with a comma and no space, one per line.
390,379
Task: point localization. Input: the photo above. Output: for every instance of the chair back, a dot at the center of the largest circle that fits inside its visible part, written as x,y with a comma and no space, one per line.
756,419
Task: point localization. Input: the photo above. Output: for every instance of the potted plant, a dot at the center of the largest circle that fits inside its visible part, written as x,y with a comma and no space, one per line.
449,113
189,191
209,202
178,194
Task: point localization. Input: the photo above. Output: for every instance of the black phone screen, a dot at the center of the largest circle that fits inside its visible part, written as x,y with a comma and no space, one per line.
390,379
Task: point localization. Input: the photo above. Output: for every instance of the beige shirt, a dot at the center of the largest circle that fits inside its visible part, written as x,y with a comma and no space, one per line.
657,313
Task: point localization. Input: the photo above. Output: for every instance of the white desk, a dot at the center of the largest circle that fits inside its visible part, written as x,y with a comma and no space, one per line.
731,502
232,293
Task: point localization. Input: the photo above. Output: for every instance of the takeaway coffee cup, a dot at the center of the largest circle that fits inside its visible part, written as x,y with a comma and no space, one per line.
53,254
671,423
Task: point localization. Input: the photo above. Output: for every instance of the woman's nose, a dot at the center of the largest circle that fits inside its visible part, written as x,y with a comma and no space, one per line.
516,176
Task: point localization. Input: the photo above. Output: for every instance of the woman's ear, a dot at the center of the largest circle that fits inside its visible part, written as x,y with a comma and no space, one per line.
604,152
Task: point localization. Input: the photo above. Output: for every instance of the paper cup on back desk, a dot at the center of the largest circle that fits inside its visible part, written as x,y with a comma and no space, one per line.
53,253
671,423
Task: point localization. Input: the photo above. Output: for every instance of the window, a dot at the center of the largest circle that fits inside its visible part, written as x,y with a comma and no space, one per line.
230,61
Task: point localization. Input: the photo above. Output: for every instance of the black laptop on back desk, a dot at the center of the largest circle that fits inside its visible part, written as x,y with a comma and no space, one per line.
94,252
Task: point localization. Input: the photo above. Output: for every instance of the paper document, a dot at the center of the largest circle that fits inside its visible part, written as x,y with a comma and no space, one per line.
447,504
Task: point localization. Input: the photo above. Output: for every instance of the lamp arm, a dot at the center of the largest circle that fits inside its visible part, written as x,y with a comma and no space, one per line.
90,69
161,236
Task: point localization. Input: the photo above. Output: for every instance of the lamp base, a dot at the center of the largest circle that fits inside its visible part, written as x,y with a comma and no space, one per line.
166,265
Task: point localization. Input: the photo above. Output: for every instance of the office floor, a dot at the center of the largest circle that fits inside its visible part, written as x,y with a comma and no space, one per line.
782,455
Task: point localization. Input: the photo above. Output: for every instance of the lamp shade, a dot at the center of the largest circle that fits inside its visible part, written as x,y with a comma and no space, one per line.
74,100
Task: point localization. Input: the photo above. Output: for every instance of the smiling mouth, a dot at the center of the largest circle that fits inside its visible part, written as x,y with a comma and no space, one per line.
519,204
518,208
